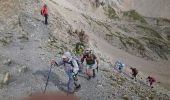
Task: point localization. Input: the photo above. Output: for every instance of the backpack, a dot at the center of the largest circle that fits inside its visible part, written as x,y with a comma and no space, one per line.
71,62
77,60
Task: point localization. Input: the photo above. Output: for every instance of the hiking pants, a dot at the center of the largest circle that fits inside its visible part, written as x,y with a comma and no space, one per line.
72,83
46,19
134,74
90,69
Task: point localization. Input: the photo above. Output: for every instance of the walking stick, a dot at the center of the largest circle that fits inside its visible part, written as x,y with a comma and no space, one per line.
48,78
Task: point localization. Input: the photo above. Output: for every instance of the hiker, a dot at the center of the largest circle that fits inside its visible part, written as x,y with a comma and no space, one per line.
102,3
151,80
44,12
71,68
134,73
120,66
97,3
91,63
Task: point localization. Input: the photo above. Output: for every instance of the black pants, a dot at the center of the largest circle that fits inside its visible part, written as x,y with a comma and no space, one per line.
46,19
94,74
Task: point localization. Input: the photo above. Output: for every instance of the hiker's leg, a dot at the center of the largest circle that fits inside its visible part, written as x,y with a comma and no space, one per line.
94,74
94,68
76,82
87,70
46,18
133,76
89,73
70,85
150,83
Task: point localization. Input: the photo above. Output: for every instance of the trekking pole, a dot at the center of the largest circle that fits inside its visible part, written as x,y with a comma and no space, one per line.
48,78
97,69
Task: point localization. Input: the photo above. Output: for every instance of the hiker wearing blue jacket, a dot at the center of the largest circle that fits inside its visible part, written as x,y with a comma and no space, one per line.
71,69
120,66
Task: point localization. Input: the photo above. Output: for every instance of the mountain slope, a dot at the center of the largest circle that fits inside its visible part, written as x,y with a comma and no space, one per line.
27,46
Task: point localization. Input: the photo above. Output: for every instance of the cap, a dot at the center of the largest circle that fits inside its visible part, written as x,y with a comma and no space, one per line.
66,55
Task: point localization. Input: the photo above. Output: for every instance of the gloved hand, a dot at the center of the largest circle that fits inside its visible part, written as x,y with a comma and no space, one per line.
53,62
75,76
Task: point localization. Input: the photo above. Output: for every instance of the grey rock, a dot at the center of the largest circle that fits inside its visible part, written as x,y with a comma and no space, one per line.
7,62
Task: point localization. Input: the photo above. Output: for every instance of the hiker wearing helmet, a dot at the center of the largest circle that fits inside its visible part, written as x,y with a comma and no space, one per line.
44,12
151,80
71,68
134,73
91,63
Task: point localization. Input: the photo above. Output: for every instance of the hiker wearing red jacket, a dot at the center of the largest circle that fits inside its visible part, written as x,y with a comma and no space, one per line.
151,80
44,12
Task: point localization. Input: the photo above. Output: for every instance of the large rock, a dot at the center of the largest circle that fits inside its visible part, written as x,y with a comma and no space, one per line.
7,62
23,69
6,78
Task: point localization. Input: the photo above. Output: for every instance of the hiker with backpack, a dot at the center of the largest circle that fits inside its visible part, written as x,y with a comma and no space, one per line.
151,80
91,63
97,3
44,12
71,68
134,72
120,66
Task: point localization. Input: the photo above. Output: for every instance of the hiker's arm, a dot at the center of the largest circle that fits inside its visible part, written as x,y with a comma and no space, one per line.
82,59
59,63
53,62
97,60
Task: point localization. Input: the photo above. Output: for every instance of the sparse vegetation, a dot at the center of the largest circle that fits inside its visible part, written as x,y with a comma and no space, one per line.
164,20
168,36
150,31
132,14
112,13
79,48
5,40
160,47
89,19
132,42
24,37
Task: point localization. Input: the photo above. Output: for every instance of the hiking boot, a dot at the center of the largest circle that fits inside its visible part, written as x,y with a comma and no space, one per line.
89,77
94,76
70,92
78,87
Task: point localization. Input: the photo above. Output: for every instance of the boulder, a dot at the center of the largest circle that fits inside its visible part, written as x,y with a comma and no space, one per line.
23,69
6,78
7,62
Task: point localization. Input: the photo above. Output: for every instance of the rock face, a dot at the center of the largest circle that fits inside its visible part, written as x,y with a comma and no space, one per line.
27,46
6,78
149,8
